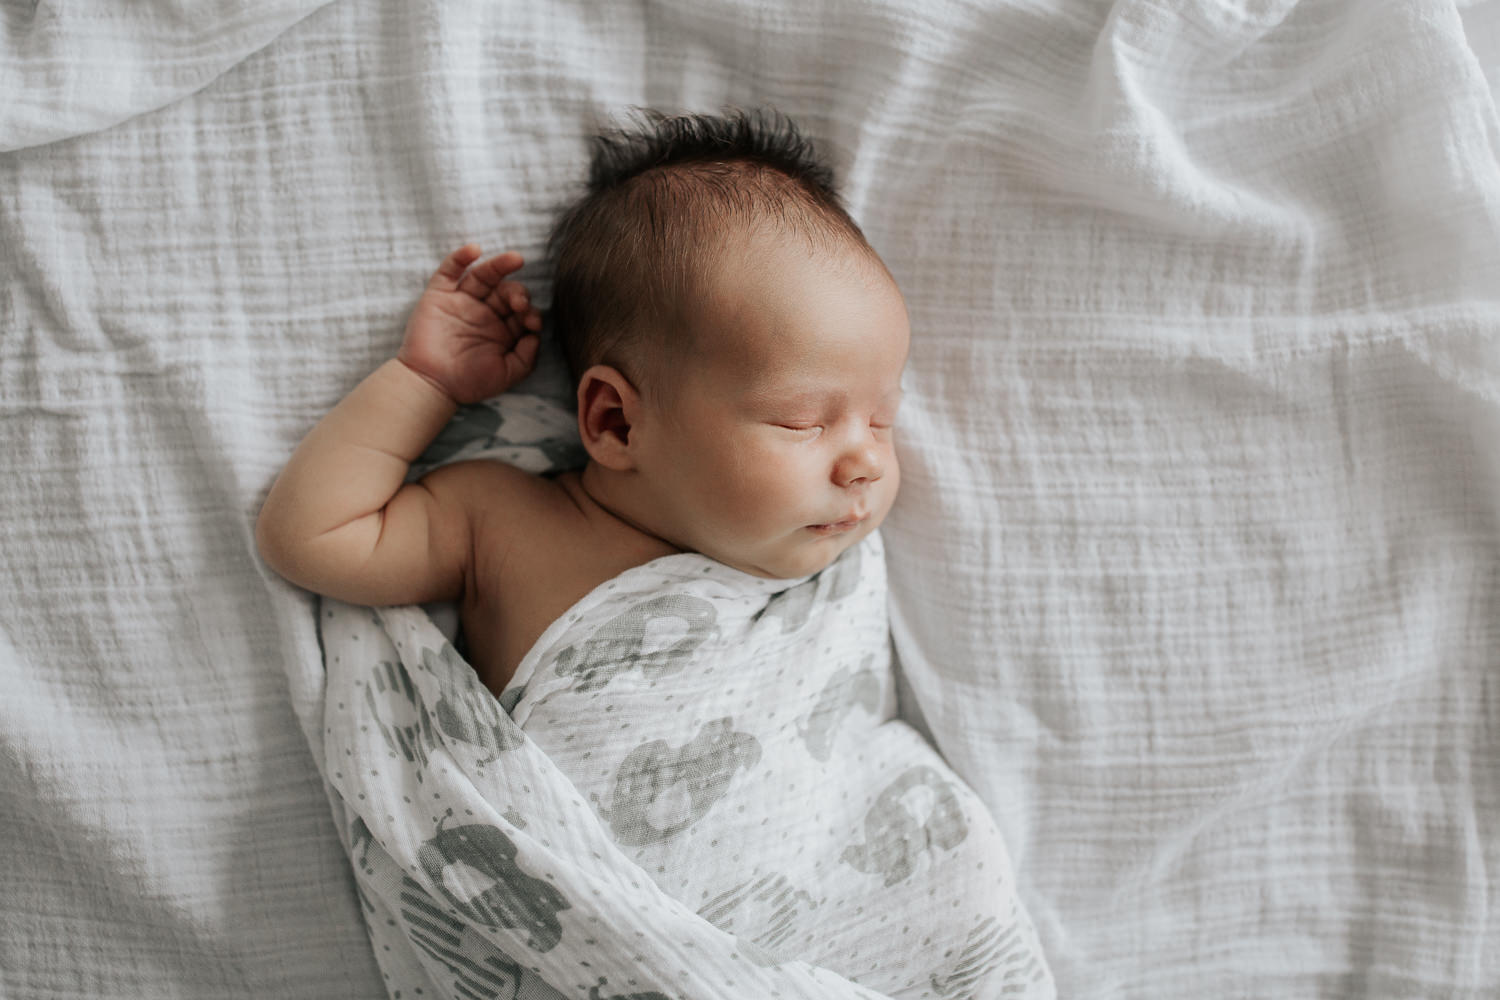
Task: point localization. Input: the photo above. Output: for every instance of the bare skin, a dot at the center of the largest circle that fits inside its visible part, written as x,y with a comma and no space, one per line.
771,452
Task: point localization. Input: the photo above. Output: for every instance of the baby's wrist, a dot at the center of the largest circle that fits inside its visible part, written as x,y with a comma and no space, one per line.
429,380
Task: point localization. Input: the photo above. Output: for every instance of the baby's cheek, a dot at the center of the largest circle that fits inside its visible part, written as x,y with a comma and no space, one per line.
768,481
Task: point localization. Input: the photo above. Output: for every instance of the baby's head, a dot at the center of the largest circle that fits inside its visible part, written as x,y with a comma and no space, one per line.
736,344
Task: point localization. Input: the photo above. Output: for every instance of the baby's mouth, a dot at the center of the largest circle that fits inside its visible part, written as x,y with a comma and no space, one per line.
838,527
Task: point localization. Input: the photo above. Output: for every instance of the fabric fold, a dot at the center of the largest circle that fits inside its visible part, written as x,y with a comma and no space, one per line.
69,69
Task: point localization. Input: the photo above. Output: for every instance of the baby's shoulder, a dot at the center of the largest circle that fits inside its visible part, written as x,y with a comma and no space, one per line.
485,473
498,497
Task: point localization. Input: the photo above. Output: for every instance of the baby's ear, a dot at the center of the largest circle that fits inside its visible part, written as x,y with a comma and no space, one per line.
607,405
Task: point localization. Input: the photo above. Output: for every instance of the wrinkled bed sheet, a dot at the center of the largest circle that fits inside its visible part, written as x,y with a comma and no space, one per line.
1196,567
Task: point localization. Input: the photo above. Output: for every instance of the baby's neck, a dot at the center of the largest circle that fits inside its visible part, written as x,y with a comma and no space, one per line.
604,493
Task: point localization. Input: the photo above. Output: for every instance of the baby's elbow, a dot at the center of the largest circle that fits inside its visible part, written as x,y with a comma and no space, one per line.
271,541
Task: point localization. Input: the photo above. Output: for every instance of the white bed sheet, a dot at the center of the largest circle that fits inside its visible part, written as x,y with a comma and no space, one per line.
1196,566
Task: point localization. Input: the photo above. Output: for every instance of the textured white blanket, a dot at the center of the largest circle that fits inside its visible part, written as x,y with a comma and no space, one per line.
1194,566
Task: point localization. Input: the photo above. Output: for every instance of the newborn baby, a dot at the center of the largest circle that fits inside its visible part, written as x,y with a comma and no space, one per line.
736,347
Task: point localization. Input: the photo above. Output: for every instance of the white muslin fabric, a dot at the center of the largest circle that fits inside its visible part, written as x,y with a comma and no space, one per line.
1194,567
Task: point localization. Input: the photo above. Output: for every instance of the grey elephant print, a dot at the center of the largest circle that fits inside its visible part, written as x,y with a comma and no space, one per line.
360,841
469,424
620,644
973,962
478,969
511,897
594,993
844,690
843,575
765,913
661,790
406,729
466,711
986,948
794,606
896,836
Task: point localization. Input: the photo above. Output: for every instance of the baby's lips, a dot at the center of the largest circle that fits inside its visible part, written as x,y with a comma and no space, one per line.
840,526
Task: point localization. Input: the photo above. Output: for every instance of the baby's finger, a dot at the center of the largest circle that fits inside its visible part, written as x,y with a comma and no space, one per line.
524,355
485,275
526,349
509,297
524,322
516,294
453,266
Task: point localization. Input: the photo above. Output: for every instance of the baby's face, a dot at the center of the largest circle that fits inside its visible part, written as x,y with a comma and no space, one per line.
774,454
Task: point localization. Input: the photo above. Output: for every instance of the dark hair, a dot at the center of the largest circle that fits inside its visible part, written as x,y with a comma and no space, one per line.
662,196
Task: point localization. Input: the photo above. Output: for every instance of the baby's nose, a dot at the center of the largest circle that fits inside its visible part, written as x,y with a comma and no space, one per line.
859,465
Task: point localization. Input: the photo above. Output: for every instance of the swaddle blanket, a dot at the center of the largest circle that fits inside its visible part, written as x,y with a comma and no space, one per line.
695,787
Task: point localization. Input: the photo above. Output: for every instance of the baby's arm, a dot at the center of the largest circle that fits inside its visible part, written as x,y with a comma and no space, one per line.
339,520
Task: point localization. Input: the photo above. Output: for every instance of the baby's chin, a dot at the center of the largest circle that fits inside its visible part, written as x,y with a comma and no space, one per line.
808,553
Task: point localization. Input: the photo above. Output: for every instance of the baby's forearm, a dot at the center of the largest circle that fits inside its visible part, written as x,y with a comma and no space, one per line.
349,466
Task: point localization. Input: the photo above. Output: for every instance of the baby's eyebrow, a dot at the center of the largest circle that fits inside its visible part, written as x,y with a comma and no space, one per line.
790,391
802,397
814,397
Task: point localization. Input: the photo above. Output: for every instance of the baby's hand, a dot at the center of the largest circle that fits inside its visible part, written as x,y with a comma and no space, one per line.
472,334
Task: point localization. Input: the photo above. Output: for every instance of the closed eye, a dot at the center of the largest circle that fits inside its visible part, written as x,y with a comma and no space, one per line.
806,430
